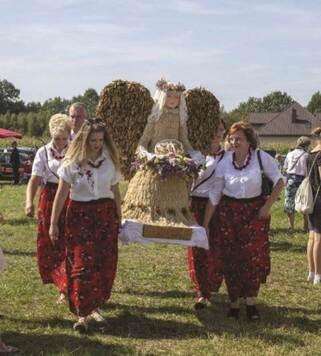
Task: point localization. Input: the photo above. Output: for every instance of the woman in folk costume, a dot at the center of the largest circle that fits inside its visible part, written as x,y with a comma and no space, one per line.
149,198
244,216
90,172
48,159
205,266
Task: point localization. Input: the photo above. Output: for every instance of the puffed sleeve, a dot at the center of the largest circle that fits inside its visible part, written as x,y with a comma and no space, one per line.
270,167
65,173
39,163
218,184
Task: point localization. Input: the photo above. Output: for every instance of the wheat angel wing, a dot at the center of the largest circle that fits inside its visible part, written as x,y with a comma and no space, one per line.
203,110
125,106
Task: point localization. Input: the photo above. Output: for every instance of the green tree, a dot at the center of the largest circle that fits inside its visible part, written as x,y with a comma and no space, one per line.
314,105
9,97
276,101
90,99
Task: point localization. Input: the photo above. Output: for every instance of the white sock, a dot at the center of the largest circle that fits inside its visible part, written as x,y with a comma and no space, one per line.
317,279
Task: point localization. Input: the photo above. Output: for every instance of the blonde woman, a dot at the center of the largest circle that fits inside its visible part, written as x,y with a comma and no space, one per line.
48,159
90,173
314,244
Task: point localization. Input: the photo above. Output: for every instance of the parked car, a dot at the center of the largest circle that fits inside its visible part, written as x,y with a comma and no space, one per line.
6,172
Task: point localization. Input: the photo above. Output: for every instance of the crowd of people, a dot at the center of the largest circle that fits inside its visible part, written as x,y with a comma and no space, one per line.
79,213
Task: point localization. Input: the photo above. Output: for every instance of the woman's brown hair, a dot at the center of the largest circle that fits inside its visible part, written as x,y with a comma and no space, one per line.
247,129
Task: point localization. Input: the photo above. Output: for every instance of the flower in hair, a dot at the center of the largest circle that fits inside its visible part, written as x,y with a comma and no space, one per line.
166,86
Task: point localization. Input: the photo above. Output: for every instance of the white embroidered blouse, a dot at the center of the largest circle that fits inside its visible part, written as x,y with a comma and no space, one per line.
46,165
200,189
88,183
245,183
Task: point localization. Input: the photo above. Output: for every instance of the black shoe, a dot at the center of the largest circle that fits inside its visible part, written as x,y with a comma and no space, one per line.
233,313
200,304
252,313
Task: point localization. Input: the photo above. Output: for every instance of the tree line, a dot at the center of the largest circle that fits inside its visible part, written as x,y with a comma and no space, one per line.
32,118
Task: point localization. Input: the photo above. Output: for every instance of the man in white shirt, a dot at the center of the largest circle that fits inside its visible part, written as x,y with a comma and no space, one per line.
78,114
295,170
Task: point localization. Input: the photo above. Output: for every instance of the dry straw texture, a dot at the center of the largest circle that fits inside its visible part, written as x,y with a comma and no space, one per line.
203,117
125,107
151,200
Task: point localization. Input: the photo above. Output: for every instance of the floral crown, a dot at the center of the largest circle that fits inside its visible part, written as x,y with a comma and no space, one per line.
166,86
95,121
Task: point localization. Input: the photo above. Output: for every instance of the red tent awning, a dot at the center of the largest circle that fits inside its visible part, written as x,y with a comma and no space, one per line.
4,133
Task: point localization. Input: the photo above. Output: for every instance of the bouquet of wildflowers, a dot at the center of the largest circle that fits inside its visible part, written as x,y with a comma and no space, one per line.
167,166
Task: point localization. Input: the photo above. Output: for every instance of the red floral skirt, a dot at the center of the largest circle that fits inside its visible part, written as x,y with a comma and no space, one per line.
92,249
51,258
205,266
245,246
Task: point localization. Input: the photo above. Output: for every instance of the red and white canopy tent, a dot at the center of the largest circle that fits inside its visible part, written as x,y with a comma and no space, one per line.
4,133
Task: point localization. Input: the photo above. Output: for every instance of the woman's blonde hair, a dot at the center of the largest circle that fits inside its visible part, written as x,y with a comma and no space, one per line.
78,151
251,136
59,123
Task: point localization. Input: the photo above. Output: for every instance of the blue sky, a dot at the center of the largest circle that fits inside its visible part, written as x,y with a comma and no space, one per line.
235,48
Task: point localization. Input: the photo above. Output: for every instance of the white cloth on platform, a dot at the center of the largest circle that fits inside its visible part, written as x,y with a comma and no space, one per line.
132,231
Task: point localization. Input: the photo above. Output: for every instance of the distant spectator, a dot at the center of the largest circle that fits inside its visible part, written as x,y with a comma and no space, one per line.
314,244
78,114
15,162
295,170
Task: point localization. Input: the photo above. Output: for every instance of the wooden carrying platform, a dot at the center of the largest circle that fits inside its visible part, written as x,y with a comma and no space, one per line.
167,232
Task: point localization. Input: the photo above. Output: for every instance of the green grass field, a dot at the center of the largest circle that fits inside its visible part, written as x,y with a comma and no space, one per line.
151,309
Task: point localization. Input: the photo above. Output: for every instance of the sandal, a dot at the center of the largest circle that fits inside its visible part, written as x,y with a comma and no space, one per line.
61,299
97,316
7,348
81,325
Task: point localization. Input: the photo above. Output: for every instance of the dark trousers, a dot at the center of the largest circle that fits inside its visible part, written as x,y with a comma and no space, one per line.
16,174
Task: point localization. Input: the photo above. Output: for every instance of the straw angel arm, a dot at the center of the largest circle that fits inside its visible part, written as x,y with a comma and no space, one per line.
146,139
183,138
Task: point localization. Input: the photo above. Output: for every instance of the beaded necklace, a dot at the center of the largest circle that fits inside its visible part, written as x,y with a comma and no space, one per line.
56,155
247,161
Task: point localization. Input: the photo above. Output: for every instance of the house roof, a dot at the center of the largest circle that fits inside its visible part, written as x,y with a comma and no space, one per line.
260,118
294,121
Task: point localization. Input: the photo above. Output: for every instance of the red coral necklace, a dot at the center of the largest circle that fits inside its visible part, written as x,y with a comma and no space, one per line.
56,155
247,161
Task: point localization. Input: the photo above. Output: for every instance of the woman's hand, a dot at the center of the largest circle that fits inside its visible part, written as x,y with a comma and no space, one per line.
53,233
264,212
29,211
